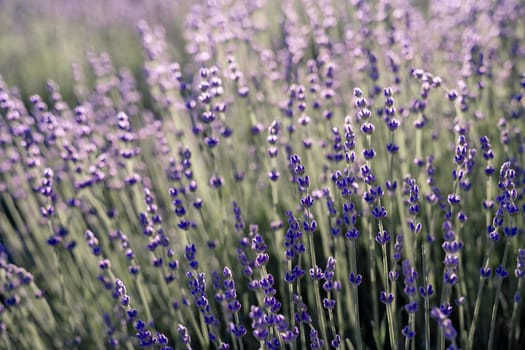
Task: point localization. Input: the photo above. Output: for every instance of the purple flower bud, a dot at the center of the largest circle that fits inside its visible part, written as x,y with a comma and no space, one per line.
328,304
132,314
453,198
386,298
450,278
501,272
367,128
316,273
383,237
104,264
393,275
261,259
411,307
426,292
355,279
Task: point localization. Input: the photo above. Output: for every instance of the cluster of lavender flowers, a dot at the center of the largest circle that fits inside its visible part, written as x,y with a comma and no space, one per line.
312,175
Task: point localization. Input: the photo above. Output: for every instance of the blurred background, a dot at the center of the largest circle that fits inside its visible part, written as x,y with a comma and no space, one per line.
42,39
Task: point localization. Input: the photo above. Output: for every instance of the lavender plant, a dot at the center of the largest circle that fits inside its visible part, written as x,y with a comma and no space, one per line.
318,175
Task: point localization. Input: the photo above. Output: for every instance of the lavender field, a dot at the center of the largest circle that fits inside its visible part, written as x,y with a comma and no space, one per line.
244,174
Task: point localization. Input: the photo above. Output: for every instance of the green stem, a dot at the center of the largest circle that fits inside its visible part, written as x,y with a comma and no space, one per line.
444,297
498,294
411,321
426,298
331,318
319,304
514,320
373,282
461,313
241,346
355,298
389,311
477,306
